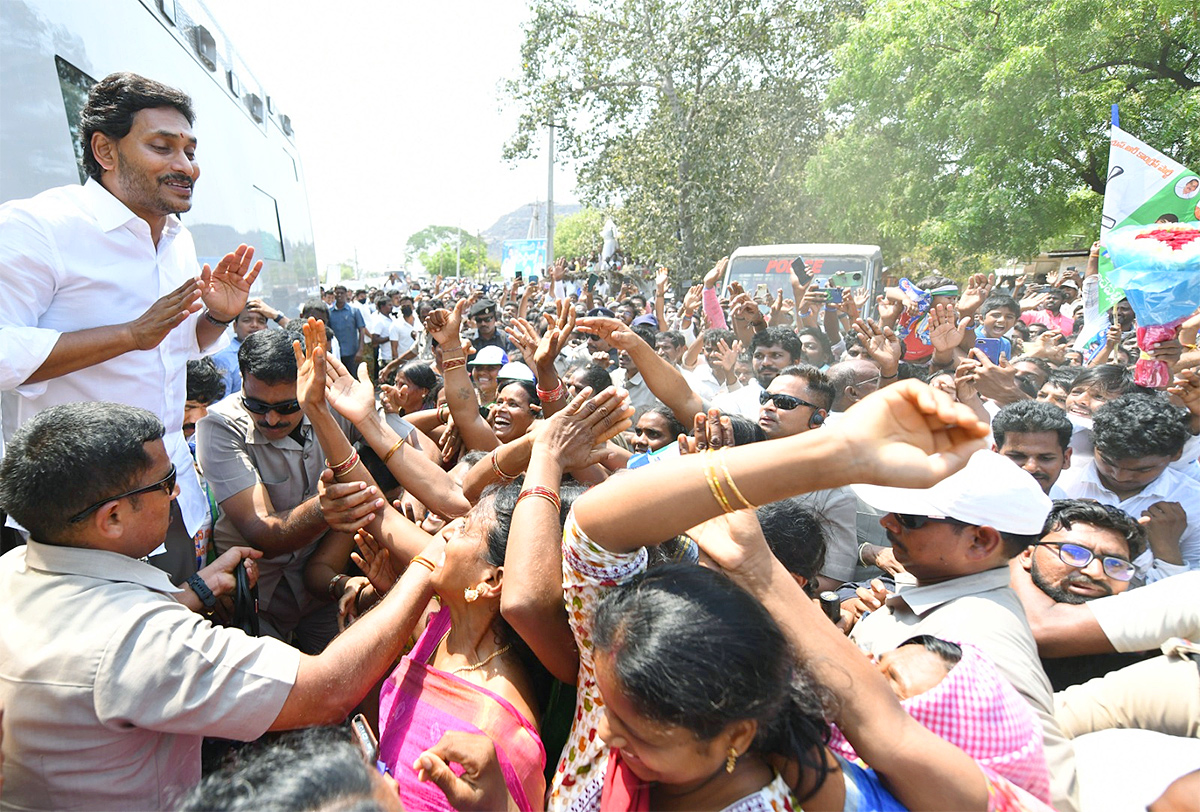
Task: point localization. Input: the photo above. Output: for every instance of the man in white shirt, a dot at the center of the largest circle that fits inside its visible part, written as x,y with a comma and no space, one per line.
770,351
101,296
1137,437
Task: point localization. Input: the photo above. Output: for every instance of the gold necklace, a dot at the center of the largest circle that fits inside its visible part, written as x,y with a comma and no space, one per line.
489,658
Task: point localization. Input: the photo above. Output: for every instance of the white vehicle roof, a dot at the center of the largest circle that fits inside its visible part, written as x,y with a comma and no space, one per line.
800,249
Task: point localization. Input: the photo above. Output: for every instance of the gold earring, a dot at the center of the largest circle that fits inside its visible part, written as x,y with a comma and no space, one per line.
470,594
731,760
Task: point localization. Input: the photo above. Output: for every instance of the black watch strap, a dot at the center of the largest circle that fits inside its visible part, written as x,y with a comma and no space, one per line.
202,591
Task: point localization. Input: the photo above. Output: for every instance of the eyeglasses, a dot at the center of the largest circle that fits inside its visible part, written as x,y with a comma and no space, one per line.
167,484
911,521
256,406
1077,556
784,402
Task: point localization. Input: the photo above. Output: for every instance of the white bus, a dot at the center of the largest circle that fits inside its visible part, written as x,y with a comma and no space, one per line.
251,187
834,264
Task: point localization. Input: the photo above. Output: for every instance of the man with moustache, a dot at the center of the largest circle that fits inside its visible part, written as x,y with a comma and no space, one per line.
262,462
1037,437
101,296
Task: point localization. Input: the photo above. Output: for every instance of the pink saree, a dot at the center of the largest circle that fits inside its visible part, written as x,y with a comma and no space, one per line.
418,703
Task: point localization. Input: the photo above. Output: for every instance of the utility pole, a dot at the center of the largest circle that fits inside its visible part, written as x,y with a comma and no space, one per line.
550,204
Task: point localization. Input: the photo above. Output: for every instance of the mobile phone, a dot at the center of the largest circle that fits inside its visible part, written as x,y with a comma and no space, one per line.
533,280
761,292
801,271
831,605
520,275
367,741
991,347
834,296
847,279
593,280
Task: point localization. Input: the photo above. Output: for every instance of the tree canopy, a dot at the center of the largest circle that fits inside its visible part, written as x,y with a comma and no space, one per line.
694,118
979,127
443,249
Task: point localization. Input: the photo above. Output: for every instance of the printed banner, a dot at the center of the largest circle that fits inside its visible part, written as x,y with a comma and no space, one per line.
1144,186
525,257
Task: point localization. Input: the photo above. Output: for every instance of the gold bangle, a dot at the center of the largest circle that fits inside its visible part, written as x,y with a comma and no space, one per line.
496,467
714,486
730,483
392,451
424,562
342,463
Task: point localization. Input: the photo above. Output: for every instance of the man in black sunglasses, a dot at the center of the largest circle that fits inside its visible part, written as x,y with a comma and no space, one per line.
262,462
956,539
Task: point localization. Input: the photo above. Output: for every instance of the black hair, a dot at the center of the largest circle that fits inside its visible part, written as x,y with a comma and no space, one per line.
674,427
951,653
69,457
779,337
1031,416
715,335
820,338
997,301
691,648
596,377
1066,512
796,538
1063,378
745,430
1112,379
675,337
316,308
423,375
1140,426
646,333
318,768
818,382
204,384
530,390
112,104
268,355
934,281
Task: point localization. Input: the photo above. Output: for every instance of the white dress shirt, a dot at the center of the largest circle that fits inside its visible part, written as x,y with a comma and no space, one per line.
742,401
1080,481
76,257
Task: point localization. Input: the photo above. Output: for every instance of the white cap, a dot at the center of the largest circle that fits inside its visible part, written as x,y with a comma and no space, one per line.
990,491
516,371
491,355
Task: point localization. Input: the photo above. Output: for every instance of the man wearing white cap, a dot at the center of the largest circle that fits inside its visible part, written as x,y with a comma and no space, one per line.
956,539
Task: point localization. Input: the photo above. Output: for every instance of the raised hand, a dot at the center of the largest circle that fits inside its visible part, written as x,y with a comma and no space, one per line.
551,344
889,311
149,329
711,431
713,277
444,325
692,300
781,313
976,292
946,331
576,435
614,331
226,289
524,336
347,506
881,344
661,277
354,398
374,561
311,367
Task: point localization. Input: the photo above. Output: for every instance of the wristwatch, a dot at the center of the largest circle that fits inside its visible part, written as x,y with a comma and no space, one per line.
202,591
277,318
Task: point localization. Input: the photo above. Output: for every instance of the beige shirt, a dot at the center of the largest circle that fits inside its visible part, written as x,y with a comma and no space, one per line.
108,683
234,457
1142,619
984,610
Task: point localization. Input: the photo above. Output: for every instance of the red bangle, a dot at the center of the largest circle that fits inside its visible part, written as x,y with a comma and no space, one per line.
544,493
453,363
557,393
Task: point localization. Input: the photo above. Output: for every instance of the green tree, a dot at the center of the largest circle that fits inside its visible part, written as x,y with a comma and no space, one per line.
578,234
970,129
444,249
693,118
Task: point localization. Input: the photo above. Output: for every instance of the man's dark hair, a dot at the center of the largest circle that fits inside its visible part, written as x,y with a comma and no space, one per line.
997,301
821,339
315,308
114,101
646,333
268,355
596,377
70,457
716,335
745,430
1066,512
950,653
779,337
796,538
204,384
1112,379
313,769
1030,417
1140,426
675,337
1063,378
817,381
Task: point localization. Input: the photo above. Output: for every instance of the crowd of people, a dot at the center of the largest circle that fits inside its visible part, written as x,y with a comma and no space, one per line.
573,546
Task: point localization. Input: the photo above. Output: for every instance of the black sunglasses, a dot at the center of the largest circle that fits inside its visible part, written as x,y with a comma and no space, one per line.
785,402
256,406
167,484
911,521
1078,556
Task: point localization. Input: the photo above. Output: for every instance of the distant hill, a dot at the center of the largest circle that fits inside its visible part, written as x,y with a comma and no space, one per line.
515,224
